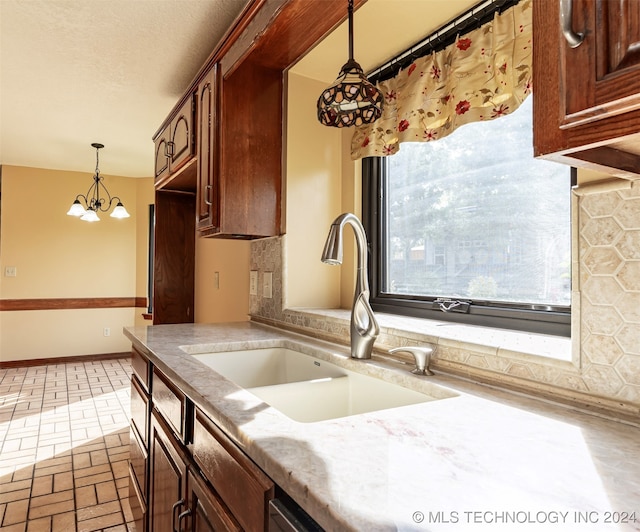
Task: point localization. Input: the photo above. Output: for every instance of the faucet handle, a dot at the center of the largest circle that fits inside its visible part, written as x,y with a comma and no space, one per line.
421,356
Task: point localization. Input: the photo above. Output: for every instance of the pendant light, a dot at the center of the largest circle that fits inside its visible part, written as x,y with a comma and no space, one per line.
94,200
351,100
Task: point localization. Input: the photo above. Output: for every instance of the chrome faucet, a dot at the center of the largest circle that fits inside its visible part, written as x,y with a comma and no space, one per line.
364,327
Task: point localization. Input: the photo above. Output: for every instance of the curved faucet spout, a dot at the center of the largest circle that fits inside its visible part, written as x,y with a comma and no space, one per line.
364,327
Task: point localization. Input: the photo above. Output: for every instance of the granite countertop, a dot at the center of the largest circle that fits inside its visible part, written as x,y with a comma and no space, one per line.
484,459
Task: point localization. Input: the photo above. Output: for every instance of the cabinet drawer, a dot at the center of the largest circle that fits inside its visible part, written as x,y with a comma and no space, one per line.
140,410
243,487
140,366
170,401
209,512
138,466
136,502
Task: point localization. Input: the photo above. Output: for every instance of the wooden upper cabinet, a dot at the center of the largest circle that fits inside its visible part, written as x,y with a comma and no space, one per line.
240,152
610,54
587,97
207,149
250,177
161,157
175,145
181,147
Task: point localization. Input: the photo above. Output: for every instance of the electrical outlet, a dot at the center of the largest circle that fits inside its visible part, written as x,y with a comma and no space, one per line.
253,283
10,271
267,285
106,331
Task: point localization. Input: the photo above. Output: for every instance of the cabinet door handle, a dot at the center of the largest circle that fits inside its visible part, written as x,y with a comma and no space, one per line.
182,516
175,506
169,151
566,13
207,195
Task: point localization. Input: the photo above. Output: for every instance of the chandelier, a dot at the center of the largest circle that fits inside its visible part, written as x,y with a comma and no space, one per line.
94,200
351,100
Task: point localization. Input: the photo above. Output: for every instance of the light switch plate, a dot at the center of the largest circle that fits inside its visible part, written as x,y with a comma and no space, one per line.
267,285
253,283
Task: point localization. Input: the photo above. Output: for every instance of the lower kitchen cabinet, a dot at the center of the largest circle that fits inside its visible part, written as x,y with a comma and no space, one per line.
243,487
139,438
186,474
138,479
206,510
168,472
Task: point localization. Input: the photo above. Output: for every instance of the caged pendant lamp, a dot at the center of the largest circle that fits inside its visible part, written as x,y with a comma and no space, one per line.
351,100
94,200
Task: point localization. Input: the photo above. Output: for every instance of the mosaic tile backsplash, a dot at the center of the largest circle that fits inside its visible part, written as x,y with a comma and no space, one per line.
605,370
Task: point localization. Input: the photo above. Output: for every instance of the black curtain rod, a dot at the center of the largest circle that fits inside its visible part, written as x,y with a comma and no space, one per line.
441,38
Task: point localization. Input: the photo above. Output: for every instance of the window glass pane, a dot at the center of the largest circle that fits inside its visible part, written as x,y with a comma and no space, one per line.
475,216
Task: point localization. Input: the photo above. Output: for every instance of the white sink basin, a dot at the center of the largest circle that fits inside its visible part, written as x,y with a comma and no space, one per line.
264,367
307,389
337,397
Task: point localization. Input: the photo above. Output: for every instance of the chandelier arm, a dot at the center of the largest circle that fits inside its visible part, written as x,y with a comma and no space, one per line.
101,201
112,199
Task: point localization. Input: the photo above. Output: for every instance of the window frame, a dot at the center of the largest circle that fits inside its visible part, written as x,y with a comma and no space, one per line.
522,317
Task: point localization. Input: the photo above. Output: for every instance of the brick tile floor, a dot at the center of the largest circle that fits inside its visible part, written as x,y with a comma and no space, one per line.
64,447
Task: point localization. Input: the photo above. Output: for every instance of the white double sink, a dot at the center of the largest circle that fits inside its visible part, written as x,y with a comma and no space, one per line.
308,389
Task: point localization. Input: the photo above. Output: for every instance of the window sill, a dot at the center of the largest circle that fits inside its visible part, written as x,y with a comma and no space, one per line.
524,346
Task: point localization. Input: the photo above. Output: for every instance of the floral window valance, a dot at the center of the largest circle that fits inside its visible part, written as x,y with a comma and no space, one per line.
485,74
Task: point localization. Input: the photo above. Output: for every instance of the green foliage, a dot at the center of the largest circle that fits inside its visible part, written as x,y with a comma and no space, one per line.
496,211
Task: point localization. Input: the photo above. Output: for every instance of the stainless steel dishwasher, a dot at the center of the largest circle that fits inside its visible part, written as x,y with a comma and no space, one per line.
286,516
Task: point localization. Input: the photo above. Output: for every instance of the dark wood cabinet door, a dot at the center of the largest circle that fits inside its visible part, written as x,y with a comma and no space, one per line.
139,402
161,155
174,258
243,487
207,149
207,511
138,475
182,143
602,74
587,98
167,490
251,151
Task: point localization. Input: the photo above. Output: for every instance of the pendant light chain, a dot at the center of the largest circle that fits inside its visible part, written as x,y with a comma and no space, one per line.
350,8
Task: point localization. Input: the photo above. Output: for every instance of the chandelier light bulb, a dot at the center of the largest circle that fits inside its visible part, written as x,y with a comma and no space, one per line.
76,209
120,211
90,216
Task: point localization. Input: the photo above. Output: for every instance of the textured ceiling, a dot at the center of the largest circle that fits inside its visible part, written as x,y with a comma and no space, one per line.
73,72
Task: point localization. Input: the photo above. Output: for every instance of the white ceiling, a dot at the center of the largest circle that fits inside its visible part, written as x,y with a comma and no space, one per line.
73,72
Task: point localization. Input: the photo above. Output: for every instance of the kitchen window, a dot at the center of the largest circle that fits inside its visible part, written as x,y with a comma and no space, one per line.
472,229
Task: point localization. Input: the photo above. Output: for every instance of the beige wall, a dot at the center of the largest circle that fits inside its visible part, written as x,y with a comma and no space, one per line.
313,198
59,256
